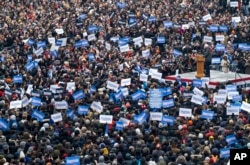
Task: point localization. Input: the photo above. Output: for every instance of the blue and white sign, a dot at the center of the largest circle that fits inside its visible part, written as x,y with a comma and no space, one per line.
141,118
29,66
70,114
92,28
30,42
38,115
231,88
225,153
73,160
151,19
119,125
167,120
120,5
168,103
118,95
8,92
81,43
18,79
83,110
177,52
91,57
209,115
59,42
237,98
138,95
161,40
4,126
78,95
223,28
213,28
220,47
36,101
168,24
231,139
216,60
197,83
41,44
155,98
166,91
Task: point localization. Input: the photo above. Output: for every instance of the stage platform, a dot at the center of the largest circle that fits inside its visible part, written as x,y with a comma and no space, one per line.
216,78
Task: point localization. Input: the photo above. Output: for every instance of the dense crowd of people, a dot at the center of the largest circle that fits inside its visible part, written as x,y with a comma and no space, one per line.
83,82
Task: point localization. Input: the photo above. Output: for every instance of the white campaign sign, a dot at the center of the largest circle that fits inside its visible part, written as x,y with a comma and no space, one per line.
147,41
91,37
96,106
143,77
197,99
234,4
125,82
231,94
233,110
106,119
56,117
156,116
112,85
198,92
125,92
245,106
124,121
61,105
205,80
236,19
156,75
207,39
71,86
207,17
222,92
220,99
124,48
16,104
138,40
185,112
220,37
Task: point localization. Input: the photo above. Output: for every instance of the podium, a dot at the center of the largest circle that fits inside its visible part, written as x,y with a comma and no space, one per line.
199,66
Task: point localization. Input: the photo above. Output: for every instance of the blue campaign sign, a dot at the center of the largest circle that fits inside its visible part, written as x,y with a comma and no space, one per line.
54,53
83,109
92,89
197,83
132,20
59,42
138,95
237,98
4,126
213,28
231,139
220,47
92,28
36,101
177,52
8,92
29,66
141,118
41,44
167,120
38,115
73,160
166,91
151,19
155,98
231,88
78,95
223,28
168,103
81,43
225,153
168,24
120,5
118,95
31,42
207,114
70,114
91,57
18,79
216,60
119,125
161,40
241,45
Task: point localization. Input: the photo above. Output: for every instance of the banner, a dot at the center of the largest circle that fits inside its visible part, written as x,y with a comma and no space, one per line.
233,110
197,83
78,95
